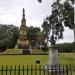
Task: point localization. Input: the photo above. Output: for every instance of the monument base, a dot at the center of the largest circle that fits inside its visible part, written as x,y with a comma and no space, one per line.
53,68
26,51
53,55
53,61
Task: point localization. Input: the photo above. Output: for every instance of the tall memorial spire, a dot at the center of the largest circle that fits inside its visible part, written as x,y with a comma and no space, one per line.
23,41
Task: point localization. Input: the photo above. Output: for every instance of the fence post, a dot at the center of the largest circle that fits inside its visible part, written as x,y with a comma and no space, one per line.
40,70
11,70
31,69
23,69
2,69
6,69
44,70
48,69
67,69
27,69
51,69
59,69
71,68
35,70
63,69
15,70
19,70
56,69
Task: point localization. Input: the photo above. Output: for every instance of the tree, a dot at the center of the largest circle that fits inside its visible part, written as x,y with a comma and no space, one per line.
45,27
72,1
32,35
40,39
40,1
8,36
15,34
66,47
54,22
68,14
60,13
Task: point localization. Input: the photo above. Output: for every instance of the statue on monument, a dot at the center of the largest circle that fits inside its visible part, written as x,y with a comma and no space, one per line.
52,40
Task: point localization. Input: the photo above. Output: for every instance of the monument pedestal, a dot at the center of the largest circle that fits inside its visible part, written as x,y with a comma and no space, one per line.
53,60
26,51
53,55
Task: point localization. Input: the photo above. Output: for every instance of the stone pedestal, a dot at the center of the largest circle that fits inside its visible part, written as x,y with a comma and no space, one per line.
53,55
26,51
53,61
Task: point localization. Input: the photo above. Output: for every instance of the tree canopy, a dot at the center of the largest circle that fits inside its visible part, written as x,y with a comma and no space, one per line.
62,15
8,36
32,35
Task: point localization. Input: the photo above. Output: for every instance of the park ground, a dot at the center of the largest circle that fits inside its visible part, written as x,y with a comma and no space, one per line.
64,58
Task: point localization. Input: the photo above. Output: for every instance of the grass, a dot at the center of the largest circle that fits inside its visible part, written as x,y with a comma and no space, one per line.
12,51
38,51
67,58
18,51
22,59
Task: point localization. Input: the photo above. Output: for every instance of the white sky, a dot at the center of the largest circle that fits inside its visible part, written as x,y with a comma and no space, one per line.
11,13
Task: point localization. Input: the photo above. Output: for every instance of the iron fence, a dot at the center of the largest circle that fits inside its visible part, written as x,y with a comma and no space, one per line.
38,70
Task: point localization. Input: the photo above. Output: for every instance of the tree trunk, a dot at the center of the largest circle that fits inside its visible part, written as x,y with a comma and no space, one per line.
74,32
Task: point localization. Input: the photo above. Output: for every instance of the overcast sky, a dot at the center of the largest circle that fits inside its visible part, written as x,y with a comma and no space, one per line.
11,13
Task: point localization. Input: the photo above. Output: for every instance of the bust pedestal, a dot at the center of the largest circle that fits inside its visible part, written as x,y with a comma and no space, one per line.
53,55
53,60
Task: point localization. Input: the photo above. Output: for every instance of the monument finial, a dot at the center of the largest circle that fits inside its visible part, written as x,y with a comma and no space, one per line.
23,12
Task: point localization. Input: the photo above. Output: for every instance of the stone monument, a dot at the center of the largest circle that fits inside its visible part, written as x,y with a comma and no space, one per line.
53,59
23,42
53,53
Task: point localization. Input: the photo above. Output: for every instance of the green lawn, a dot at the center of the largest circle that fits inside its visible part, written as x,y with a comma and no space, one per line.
22,59
12,51
18,51
65,58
